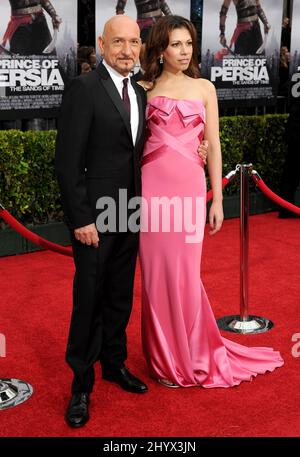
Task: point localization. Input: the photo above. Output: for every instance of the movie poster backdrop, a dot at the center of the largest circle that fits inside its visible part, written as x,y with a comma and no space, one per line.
295,52
241,49
38,48
145,12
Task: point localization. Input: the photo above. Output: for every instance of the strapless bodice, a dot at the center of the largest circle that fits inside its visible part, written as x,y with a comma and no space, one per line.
176,124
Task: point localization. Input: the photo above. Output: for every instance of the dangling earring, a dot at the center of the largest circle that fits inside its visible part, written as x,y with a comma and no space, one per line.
161,59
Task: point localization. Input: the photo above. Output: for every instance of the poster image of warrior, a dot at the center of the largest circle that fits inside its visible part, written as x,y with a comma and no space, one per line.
146,12
295,52
38,47
241,49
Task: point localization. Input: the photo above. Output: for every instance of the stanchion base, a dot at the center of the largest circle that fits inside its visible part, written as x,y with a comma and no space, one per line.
235,324
13,392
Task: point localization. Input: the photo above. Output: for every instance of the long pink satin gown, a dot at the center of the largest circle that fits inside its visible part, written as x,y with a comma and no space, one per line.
181,340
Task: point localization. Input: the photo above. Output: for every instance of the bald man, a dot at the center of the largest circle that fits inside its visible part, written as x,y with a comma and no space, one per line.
99,145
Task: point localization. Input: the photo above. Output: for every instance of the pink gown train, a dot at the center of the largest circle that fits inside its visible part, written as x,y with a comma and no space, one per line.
181,340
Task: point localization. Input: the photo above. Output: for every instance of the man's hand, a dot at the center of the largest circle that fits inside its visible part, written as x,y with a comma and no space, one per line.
203,150
87,235
267,27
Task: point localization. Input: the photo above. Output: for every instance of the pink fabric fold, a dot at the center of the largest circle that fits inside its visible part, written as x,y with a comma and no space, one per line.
181,340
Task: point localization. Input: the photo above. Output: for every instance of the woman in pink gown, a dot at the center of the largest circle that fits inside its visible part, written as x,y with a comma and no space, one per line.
181,341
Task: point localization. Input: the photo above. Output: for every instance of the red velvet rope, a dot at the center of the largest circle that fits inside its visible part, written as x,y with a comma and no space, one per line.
36,239
269,193
225,181
39,241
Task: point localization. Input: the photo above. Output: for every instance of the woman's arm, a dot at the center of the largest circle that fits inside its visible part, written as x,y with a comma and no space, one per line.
214,158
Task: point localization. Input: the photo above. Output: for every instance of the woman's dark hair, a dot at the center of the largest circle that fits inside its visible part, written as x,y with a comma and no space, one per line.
158,41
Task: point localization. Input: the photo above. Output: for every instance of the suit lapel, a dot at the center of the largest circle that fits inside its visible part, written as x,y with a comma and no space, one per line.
141,111
114,95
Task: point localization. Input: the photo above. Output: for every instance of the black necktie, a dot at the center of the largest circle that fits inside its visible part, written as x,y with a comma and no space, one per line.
125,95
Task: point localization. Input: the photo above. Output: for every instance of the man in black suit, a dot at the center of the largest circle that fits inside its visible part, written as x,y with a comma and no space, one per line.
99,145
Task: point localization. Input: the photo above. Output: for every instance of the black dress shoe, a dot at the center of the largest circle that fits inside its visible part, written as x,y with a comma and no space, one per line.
125,379
77,413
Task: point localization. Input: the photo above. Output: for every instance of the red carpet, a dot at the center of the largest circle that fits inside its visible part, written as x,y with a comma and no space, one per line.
35,310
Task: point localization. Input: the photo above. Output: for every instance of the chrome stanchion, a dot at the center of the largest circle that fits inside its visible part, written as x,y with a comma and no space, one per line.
13,392
244,323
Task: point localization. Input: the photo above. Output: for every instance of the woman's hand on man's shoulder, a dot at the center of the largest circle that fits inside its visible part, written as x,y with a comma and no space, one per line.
146,85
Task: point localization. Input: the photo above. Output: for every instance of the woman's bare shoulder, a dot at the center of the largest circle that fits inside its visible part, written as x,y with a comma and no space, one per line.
205,84
201,88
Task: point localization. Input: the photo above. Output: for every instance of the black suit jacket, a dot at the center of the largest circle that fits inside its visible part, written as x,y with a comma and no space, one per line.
95,154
